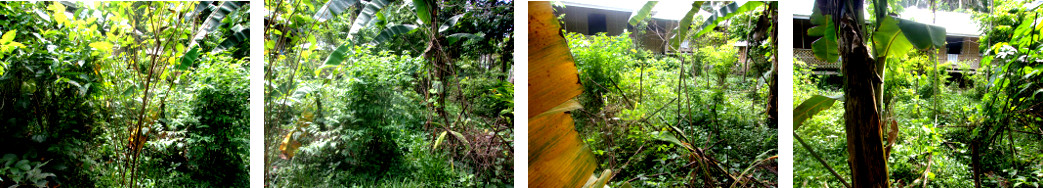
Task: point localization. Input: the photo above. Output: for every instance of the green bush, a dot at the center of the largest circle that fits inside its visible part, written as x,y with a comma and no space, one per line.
219,145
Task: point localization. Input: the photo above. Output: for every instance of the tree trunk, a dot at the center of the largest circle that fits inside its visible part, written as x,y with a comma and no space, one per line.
773,95
861,116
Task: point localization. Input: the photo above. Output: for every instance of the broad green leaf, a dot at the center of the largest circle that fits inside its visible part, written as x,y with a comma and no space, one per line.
23,165
557,156
393,31
16,44
58,13
643,13
458,36
333,8
441,137
1024,33
889,41
8,36
338,55
422,10
450,23
921,35
684,24
104,46
812,106
189,59
725,13
826,47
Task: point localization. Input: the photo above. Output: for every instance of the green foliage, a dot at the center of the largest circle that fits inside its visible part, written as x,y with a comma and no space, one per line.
365,112
638,130
88,79
219,143
599,60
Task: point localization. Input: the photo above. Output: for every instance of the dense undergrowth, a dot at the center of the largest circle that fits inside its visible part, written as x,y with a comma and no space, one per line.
123,94
386,107
639,118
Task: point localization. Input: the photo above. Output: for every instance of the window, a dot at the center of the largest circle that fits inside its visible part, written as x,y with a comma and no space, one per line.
596,24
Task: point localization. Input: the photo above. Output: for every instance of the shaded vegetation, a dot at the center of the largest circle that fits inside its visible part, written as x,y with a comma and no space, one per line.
123,94
388,93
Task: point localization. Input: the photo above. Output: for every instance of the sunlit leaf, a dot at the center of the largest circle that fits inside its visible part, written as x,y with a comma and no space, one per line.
441,137
104,46
58,13
289,146
557,156
8,36
599,182
669,137
452,22
684,24
889,41
812,106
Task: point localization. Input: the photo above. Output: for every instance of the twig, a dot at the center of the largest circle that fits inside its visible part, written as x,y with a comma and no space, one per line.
625,98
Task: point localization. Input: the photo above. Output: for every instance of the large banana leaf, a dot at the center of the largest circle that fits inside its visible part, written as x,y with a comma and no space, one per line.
811,107
825,48
455,37
240,34
189,59
422,10
557,156
214,19
921,35
725,13
643,13
393,30
888,40
362,20
333,8
684,24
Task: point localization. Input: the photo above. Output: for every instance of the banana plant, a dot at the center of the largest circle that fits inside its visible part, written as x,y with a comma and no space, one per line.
840,23
427,21
363,20
213,20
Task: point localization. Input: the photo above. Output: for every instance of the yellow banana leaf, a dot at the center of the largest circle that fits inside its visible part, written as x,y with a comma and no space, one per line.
289,146
557,156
